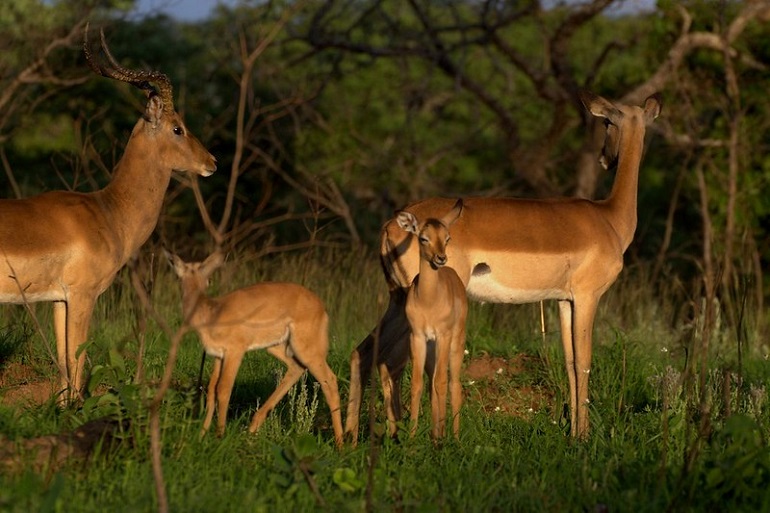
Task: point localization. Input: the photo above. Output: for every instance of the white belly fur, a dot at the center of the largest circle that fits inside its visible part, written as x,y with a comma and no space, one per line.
218,349
16,298
486,289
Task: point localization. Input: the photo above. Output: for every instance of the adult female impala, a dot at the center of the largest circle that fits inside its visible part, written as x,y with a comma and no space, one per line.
436,308
67,247
511,250
285,319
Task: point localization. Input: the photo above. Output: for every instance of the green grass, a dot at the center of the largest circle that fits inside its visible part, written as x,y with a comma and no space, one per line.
651,448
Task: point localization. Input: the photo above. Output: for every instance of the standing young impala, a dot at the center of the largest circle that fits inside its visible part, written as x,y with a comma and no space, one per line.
436,307
67,247
286,319
511,250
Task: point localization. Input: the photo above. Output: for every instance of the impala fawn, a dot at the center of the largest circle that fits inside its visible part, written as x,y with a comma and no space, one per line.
436,307
286,319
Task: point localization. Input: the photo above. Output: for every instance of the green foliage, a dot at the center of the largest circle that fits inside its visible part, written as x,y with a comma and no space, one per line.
742,467
12,338
122,399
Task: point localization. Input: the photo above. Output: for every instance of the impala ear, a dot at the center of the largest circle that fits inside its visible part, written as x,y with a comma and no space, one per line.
212,262
600,107
453,214
154,111
652,108
407,222
174,261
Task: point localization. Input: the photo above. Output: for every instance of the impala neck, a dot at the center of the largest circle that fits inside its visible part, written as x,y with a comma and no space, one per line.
194,302
427,290
622,201
134,198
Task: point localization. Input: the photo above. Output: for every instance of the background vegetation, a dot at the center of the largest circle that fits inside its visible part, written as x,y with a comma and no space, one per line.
328,115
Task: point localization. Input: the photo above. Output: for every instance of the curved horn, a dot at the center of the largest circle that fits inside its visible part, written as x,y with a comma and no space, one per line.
141,79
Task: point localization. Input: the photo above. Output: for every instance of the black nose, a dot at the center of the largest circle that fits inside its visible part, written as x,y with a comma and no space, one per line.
439,260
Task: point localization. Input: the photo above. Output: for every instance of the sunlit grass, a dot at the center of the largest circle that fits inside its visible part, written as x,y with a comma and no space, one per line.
649,447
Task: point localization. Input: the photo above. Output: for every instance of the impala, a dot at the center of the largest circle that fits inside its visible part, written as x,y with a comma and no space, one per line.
67,247
512,250
436,308
286,319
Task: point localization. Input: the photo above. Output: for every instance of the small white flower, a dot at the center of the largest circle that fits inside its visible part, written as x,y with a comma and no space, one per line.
531,410
466,352
664,350
500,370
472,382
497,408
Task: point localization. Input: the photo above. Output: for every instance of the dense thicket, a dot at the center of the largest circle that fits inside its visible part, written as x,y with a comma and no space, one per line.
333,113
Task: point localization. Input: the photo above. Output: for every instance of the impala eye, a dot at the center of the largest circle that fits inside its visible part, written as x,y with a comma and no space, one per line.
424,240
178,130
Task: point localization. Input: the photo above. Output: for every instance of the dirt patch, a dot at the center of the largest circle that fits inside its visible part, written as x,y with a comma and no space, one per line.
50,452
21,385
492,381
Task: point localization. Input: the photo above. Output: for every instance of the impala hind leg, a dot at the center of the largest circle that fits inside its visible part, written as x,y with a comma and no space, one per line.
310,345
293,372
328,380
358,380
387,348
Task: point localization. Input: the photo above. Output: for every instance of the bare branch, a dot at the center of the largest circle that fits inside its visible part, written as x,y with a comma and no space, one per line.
248,60
37,71
9,173
691,41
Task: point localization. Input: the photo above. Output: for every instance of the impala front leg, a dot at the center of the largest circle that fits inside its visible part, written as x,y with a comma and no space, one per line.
438,395
418,350
585,311
211,393
565,317
60,331
455,386
230,364
390,391
78,312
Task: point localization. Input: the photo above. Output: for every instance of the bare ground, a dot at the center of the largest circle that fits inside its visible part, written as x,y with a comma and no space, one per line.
487,380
